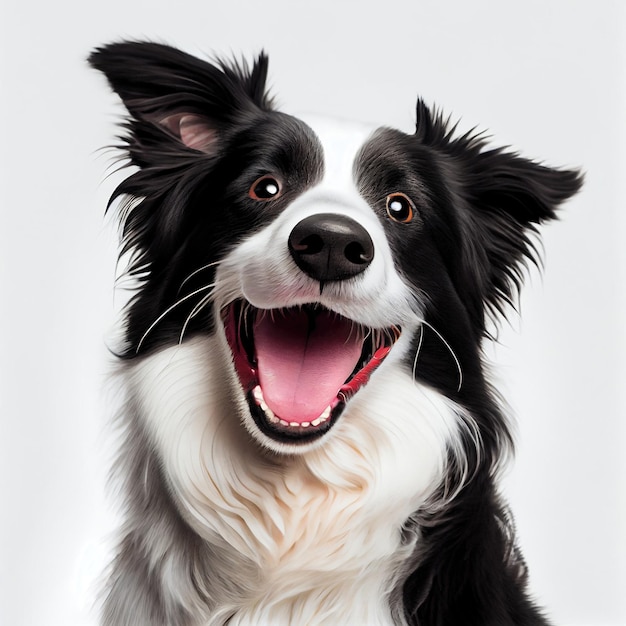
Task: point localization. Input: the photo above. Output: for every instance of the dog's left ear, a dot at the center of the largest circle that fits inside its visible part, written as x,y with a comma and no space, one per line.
501,199
506,198
171,94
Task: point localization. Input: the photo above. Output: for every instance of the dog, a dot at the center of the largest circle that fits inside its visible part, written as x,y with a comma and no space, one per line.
309,434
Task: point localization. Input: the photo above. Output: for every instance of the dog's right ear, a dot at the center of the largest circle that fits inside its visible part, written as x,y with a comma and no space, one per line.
184,97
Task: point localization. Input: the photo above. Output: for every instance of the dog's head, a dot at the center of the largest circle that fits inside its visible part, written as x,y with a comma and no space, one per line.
319,251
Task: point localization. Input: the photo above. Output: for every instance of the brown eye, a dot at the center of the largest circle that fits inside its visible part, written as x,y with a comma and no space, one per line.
265,188
400,208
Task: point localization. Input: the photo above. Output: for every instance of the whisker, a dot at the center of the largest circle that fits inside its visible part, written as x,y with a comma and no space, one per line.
168,310
247,317
244,311
203,302
250,313
450,350
200,269
378,338
417,353
353,325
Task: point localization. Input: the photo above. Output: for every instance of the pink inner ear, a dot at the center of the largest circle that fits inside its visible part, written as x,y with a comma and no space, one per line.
193,130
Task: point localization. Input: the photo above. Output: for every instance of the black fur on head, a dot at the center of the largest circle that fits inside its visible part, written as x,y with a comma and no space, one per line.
161,87
500,198
184,114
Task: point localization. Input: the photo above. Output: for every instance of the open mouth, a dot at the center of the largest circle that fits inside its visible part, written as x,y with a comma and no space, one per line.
300,366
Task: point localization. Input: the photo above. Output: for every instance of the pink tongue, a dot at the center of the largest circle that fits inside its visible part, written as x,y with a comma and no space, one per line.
303,359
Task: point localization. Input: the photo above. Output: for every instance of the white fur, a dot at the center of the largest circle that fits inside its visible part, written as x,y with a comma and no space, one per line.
322,525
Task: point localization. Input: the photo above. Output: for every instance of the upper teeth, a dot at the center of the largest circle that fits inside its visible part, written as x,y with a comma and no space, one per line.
257,392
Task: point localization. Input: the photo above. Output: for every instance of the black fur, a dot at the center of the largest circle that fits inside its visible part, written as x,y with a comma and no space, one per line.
478,213
479,210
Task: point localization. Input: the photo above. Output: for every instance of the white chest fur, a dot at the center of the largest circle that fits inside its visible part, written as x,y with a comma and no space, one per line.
315,538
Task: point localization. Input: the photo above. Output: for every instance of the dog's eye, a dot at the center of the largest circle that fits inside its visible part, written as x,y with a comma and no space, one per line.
265,188
400,208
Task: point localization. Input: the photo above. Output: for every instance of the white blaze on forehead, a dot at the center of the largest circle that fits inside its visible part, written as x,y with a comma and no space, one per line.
341,142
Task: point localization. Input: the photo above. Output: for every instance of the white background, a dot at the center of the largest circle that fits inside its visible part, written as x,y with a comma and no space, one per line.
546,77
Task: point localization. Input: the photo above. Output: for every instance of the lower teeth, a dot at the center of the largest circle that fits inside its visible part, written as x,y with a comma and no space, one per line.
271,417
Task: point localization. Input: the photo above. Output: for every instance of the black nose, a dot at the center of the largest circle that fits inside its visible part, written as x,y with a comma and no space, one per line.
330,247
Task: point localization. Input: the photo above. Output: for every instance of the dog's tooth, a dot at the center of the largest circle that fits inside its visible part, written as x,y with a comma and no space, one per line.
258,394
316,422
294,424
283,422
305,424
325,415
269,413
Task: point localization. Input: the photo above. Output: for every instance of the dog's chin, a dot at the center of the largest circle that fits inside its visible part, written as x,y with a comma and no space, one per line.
299,368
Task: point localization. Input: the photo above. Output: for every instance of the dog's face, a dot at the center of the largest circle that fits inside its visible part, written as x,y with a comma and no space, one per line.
311,299
315,252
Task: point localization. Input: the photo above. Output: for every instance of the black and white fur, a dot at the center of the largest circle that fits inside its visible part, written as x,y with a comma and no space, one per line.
387,512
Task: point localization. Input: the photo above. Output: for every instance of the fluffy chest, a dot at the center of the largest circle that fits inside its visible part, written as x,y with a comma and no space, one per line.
321,529
323,559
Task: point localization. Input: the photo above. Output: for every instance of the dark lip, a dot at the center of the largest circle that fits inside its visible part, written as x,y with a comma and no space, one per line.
289,434
238,317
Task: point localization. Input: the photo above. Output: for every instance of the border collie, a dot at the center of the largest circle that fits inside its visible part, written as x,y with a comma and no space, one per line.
309,435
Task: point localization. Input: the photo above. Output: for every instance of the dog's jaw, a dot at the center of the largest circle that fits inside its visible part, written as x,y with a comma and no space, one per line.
299,367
